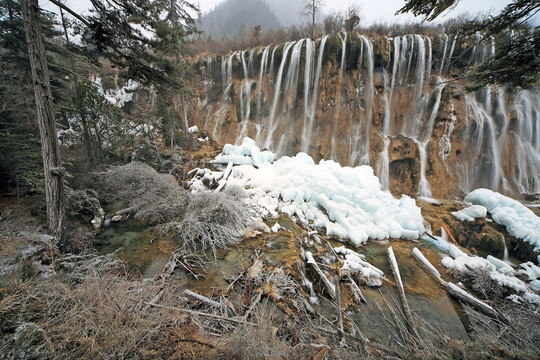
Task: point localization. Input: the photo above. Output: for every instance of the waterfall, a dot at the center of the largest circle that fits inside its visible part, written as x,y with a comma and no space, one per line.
308,75
290,92
424,189
505,258
310,104
360,131
445,46
339,96
343,56
383,166
450,54
339,100
429,63
445,145
262,75
245,99
273,124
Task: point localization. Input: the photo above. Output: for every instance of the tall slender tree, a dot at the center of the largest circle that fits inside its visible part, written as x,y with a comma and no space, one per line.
52,162
312,9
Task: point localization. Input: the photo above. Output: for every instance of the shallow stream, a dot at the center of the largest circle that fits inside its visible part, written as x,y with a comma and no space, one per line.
147,254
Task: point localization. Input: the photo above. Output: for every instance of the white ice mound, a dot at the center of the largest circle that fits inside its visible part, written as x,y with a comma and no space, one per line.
245,154
519,221
470,213
347,201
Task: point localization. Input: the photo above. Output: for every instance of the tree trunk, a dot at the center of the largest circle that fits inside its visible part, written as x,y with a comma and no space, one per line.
52,163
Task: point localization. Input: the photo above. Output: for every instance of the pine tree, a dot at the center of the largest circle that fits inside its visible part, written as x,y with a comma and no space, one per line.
516,62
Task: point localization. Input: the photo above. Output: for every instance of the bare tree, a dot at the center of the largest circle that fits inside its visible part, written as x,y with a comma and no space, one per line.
52,163
352,17
311,9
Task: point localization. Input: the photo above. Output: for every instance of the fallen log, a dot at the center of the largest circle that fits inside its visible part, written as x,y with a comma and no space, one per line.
200,313
204,299
329,286
357,293
401,292
457,292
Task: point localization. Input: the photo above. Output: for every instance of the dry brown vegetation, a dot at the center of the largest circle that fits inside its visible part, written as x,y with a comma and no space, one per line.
141,191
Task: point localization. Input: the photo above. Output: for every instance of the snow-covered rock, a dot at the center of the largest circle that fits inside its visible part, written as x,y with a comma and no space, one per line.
519,221
347,201
470,213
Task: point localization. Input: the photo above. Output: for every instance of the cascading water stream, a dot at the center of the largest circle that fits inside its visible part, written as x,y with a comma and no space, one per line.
497,136
311,103
273,123
308,78
445,46
290,91
334,140
360,131
450,54
245,99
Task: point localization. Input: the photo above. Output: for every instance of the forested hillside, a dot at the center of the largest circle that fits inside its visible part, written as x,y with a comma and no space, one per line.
233,18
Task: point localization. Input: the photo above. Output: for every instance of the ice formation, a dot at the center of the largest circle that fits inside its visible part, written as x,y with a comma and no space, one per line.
470,213
498,271
519,221
348,202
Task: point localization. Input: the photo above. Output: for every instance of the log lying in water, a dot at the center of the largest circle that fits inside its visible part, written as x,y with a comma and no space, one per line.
401,292
457,292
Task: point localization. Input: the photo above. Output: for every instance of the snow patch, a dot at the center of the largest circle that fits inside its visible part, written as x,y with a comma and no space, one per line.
519,221
348,202
470,213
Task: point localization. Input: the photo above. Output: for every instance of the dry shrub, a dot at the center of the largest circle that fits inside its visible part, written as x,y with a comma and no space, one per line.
106,316
150,196
200,221
259,341
481,284
211,221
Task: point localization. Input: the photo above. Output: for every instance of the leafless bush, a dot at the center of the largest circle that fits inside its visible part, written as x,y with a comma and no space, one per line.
211,221
481,283
151,197
260,341
103,317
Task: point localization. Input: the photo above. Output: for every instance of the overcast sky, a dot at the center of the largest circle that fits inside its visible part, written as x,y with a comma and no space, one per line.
371,11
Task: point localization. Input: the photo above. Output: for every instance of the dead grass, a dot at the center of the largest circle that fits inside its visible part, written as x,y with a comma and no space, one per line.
104,317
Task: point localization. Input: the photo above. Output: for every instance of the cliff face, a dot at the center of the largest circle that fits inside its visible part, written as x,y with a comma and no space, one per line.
393,104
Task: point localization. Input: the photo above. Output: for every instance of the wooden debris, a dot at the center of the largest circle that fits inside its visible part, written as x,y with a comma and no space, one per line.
457,292
401,292
357,293
204,299
200,313
329,286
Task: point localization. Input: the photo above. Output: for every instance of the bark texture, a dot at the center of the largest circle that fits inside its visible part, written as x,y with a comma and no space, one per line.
52,162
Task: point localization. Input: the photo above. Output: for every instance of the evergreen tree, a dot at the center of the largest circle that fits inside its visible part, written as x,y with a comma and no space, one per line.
100,125
516,62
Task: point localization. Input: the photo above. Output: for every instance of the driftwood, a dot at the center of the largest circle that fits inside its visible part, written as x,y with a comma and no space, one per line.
338,306
203,299
187,262
329,286
357,293
457,292
401,292
200,313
